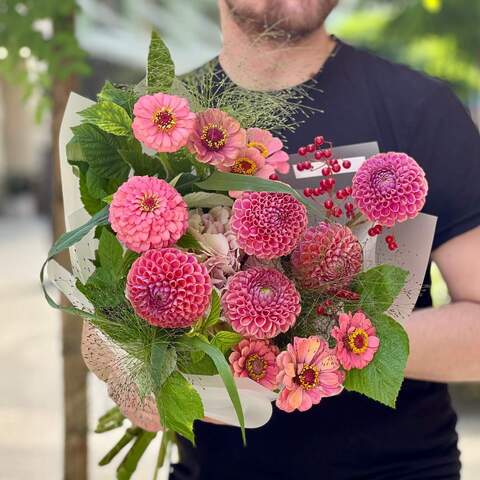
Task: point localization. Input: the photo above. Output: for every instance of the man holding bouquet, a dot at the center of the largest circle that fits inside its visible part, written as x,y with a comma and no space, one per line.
277,44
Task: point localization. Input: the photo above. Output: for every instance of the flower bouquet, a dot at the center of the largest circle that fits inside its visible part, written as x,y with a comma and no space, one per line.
204,279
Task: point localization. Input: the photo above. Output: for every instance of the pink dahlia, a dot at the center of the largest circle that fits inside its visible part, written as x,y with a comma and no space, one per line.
389,188
169,288
260,302
328,255
270,147
309,371
217,138
267,224
256,359
146,213
356,338
163,122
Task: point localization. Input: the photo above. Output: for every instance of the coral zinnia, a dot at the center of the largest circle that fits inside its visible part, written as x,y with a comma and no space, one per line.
309,371
261,302
169,288
328,255
217,138
147,212
268,225
389,188
356,338
163,122
256,359
270,147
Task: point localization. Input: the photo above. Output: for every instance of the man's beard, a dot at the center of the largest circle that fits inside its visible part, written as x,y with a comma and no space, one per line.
280,19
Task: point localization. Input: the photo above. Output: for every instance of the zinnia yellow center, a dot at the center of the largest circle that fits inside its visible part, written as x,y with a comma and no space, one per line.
308,377
260,147
149,202
256,367
214,136
358,341
164,119
244,166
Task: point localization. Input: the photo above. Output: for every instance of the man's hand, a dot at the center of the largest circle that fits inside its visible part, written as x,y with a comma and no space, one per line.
445,341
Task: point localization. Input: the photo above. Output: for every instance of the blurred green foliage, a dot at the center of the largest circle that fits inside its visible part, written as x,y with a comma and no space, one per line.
38,45
441,37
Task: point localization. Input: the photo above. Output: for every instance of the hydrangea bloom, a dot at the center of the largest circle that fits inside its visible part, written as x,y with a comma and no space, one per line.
256,359
169,288
309,371
163,122
389,188
146,213
270,147
356,338
328,255
260,303
268,225
217,138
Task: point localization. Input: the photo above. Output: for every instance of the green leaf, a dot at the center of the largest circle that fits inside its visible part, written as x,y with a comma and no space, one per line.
160,67
128,436
234,181
110,254
92,205
108,116
100,151
128,258
74,152
223,369
378,287
207,200
124,97
382,378
129,464
214,314
141,163
225,340
97,186
189,242
179,405
163,362
110,420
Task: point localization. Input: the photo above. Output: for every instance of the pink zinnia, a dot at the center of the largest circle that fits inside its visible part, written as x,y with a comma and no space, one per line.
309,371
261,302
328,255
356,338
169,288
249,162
270,147
163,122
389,188
217,138
256,359
267,224
146,213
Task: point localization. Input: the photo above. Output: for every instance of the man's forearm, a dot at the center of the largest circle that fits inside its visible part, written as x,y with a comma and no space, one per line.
445,343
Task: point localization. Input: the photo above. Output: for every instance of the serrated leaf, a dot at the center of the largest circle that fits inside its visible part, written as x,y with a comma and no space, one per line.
163,362
141,163
97,186
382,378
160,67
214,314
110,253
100,151
179,405
225,340
207,200
109,117
125,97
92,205
378,287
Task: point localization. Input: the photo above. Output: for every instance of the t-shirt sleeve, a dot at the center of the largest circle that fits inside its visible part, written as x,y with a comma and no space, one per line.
446,143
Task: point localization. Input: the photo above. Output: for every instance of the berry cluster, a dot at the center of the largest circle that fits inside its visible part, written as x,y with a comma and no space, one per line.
390,239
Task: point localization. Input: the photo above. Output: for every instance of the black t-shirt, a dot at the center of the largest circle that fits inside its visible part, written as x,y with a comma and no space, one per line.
350,437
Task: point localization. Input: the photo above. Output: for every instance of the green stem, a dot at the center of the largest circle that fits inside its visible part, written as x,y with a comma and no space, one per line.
125,440
110,420
129,464
167,438
166,165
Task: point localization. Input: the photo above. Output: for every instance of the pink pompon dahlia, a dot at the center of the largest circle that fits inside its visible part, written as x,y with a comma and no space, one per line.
356,338
270,147
169,288
328,256
389,188
260,302
267,224
163,122
309,371
256,359
146,213
217,138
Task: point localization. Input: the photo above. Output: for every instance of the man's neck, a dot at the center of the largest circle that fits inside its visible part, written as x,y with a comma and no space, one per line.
264,63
